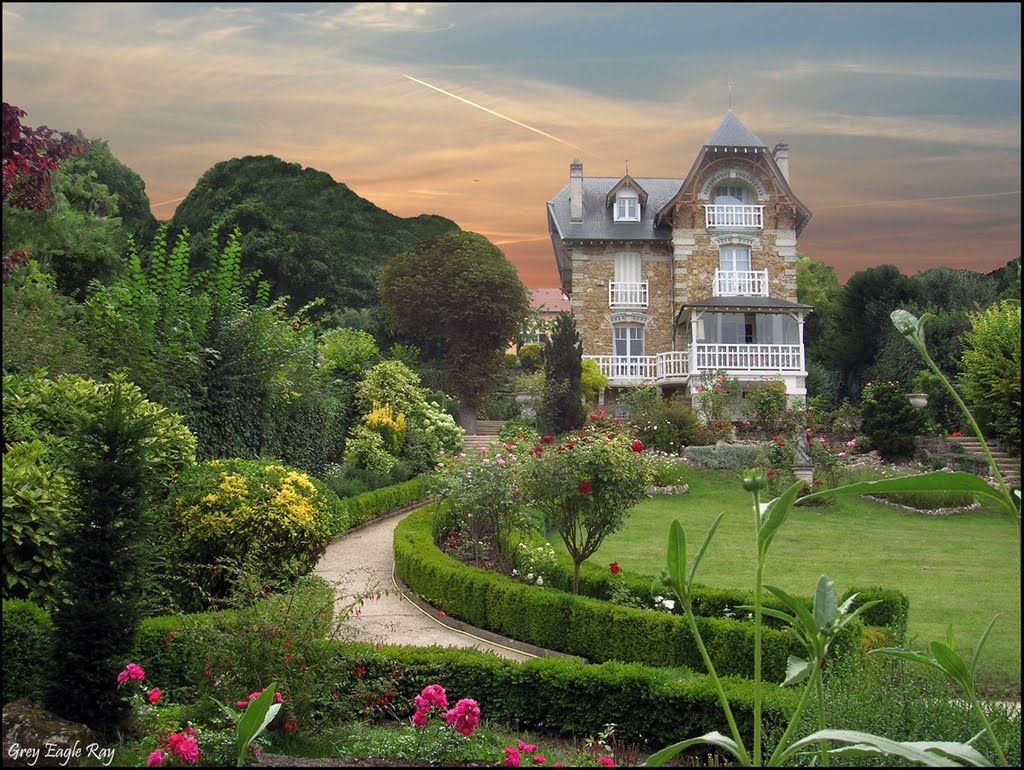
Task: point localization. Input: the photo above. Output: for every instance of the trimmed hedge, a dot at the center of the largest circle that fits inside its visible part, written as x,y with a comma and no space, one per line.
580,625
730,457
28,650
652,706
368,506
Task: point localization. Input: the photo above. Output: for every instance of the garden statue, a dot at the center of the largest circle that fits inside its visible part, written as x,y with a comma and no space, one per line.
803,467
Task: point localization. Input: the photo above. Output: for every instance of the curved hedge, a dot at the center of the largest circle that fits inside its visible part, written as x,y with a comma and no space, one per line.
580,625
354,511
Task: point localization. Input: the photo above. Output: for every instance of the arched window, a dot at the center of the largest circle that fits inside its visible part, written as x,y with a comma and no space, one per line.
733,195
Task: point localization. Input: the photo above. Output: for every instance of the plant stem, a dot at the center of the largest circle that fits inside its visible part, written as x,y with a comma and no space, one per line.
819,687
744,757
976,705
757,630
784,741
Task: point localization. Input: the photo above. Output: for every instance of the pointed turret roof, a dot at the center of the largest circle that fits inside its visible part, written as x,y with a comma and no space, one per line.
732,133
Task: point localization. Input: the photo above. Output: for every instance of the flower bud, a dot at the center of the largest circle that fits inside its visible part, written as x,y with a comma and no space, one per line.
754,479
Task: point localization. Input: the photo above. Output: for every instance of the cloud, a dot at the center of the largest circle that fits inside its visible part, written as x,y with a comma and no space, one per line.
384,17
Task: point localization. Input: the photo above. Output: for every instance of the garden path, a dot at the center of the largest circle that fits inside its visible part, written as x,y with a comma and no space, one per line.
361,563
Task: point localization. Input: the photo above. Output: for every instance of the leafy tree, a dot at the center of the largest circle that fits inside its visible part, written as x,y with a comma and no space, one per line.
990,370
890,422
347,351
562,401
459,292
308,235
818,285
102,566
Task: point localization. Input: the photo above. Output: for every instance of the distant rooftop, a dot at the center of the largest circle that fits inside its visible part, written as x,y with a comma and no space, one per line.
552,300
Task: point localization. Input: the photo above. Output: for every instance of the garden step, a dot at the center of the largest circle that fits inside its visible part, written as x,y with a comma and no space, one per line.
489,427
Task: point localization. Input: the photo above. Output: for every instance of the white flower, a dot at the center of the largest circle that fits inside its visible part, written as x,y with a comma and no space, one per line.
529,576
540,580
669,604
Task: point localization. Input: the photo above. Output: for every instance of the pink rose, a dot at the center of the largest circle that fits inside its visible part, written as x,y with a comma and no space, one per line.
154,695
464,717
606,761
155,759
512,758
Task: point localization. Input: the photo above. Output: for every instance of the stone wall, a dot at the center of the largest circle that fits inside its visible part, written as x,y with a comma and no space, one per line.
593,268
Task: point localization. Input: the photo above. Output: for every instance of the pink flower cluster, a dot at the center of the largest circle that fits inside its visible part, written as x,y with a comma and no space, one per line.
254,695
464,717
432,696
132,672
514,756
184,745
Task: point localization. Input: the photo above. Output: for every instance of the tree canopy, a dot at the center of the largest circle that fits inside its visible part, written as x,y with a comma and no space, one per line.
309,235
458,291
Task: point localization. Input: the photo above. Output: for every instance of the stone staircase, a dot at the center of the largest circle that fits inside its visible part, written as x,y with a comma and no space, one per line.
1009,466
486,434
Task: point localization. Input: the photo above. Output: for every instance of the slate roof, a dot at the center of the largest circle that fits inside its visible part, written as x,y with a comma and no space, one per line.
752,302
598,218
732,133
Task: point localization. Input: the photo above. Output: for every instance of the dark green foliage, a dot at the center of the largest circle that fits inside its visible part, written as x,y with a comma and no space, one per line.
893,613
457,291
101,570
889,421
991,368
579,625
28,650
308,235
127,187
562,402
664,424
361,509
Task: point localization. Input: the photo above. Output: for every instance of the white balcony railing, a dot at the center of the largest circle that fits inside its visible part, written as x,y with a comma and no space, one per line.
750,358
622,294
733,216
627,370
741,283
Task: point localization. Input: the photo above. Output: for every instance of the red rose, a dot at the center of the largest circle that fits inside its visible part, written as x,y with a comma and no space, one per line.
638,446
614,567
548,439
770,473
584,487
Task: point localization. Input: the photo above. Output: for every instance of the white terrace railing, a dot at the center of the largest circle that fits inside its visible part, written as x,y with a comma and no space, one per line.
741,283
750,358
622,294
733,216
664,367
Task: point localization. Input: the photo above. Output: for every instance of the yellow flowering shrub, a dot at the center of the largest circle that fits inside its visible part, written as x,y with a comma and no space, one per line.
252,515
389,423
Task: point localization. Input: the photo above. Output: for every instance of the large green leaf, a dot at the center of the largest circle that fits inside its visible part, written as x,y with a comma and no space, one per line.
700,553
937,481
810,628
258,714
929,753
714,738
981,643
774,516
797,670
950,662
677,557
826,603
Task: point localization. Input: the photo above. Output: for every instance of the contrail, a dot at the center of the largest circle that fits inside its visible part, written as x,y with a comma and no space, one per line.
917,200
492,112
164,203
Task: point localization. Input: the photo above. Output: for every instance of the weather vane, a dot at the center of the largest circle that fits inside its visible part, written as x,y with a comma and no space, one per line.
730,94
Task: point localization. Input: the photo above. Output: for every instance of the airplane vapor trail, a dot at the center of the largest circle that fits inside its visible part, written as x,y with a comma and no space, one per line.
492,112
164,203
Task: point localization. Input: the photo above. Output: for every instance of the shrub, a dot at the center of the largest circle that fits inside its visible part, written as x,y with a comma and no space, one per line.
714,392
392,383
441,430
889,421
28,650
366,449
667,425
562,400
368,506
228,513
384,420
348,351
734,457
35,500
592,382
530,357
990,370
765,403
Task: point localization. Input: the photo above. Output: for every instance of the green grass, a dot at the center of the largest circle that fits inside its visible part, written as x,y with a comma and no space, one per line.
961,569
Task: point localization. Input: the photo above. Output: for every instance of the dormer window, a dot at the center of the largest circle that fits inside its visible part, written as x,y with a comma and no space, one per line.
627,205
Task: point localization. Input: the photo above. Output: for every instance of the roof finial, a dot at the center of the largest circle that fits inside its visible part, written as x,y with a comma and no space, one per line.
730,96
627,168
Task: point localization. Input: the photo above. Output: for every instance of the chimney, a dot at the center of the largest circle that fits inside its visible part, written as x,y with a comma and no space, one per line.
781,155
576,191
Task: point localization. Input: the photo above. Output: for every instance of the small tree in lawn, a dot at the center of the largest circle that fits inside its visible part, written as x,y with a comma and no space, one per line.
101,571
562,404
585,487
459,292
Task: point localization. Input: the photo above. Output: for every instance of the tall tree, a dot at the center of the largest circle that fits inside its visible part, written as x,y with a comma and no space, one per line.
460,292
562,402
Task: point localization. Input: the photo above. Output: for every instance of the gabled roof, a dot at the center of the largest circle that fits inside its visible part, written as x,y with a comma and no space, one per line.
627,180
598,219
732,133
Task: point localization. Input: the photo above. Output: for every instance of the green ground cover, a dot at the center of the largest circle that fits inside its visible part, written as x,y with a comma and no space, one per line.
961,569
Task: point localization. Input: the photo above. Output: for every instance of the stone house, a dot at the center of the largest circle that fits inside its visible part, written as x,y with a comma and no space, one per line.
669,278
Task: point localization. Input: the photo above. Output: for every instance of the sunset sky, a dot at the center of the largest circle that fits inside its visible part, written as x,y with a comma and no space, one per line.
903,120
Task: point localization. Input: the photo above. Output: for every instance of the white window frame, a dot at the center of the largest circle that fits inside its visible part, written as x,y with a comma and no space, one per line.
627,205
631,336
725,195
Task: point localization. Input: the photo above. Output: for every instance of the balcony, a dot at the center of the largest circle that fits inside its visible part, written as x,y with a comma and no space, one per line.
622,294
741,283
671,367
750,358
716,216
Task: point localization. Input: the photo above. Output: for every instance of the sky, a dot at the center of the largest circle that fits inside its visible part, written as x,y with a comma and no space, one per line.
904,121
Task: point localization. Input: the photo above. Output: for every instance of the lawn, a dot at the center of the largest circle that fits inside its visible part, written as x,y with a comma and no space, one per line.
961,569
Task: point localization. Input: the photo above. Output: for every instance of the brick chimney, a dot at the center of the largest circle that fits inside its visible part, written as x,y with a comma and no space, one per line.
576,191
781,155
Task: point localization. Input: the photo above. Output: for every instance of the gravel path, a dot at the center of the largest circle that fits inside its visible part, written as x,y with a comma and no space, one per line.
361,563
